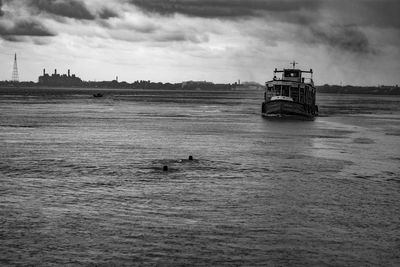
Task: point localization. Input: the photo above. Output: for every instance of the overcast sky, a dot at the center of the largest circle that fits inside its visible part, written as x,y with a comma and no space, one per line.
350,42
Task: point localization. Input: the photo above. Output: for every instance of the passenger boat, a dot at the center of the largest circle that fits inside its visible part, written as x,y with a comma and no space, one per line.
291,96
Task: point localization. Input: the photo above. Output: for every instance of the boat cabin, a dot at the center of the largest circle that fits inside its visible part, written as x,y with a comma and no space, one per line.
291,75
295,75
292,86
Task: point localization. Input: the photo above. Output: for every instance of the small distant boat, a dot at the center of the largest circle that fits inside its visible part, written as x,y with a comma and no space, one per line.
291,96
98,95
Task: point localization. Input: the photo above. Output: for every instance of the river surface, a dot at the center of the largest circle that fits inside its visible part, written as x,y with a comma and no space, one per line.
82,180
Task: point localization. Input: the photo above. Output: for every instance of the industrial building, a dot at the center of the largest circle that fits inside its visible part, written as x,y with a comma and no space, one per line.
59,80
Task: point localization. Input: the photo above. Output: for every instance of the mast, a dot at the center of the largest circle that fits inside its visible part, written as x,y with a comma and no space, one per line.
15,77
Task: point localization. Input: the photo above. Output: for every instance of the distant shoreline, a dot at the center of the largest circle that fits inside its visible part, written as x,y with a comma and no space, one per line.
369,90
328,89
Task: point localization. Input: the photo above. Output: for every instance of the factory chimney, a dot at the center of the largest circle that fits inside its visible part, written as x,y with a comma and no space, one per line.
44,72
68,73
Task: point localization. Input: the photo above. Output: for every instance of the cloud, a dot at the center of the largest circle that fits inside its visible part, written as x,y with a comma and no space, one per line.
64,8
156,34
346,38
10,31
371,13
384,13
179,36
107,13
223,8
1,8
341,25
76,9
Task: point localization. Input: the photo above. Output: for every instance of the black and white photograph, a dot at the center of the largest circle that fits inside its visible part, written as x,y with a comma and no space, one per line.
200,133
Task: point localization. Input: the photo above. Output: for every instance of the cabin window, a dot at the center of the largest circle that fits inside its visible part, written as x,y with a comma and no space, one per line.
269,92
292,73
285,90
277,90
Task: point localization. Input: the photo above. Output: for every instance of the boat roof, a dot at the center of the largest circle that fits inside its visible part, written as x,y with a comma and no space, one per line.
294,70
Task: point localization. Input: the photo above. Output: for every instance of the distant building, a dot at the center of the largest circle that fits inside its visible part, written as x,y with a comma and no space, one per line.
59,80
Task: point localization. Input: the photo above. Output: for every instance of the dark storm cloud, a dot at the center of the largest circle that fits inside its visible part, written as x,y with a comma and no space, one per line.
107,13
1,8
345,38
23,28
223,8
304,14
379,13
323,22
64,8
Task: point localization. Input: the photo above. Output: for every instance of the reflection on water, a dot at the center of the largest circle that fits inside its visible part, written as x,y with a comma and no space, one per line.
81,181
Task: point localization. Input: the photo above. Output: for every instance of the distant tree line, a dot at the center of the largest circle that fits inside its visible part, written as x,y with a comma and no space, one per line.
203,85
142,84
349,89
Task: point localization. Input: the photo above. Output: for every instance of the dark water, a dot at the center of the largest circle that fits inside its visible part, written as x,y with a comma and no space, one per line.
81,181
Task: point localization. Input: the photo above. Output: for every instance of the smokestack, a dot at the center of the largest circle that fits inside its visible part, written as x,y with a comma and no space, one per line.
44,72
68,73
55,71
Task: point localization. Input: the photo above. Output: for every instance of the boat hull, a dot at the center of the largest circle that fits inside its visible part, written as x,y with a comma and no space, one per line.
288,109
